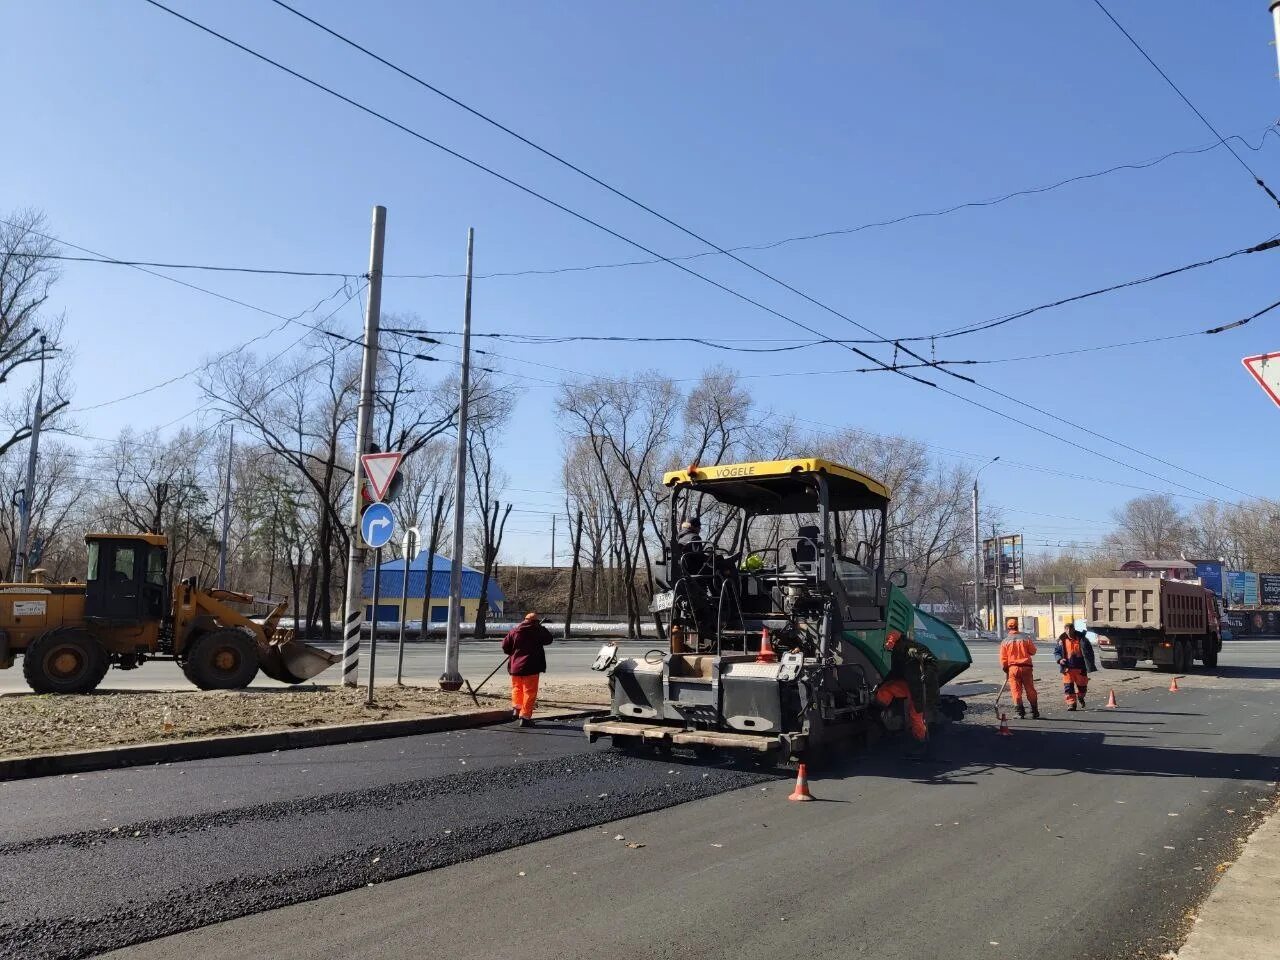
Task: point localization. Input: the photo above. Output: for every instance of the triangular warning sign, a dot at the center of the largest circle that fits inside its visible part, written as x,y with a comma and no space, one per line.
380,469
1265,368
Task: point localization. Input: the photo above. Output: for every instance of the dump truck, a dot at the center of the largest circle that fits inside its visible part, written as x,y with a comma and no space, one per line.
781,625
1172,623
124,614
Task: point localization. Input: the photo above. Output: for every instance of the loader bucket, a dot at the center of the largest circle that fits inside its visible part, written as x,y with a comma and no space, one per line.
291,661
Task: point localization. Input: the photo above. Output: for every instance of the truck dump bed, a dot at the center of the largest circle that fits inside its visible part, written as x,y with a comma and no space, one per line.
1137,603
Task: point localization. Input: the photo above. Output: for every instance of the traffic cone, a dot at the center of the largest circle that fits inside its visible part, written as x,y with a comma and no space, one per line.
1004,730
766,654
801,792
1173,685
1111,700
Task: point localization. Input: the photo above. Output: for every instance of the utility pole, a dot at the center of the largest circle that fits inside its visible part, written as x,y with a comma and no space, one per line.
553,533
1275,19
977,545
352,611
28,492
999,584
451,679
226,512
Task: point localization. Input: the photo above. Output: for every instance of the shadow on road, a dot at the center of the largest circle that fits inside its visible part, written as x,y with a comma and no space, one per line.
976,752
1226,671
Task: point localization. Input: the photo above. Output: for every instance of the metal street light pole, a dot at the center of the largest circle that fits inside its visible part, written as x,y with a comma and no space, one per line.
977,544
1275,18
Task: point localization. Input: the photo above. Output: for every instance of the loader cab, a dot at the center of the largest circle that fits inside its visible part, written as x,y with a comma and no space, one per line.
125,582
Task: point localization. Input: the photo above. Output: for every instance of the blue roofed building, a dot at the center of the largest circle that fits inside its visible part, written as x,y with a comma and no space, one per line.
436,600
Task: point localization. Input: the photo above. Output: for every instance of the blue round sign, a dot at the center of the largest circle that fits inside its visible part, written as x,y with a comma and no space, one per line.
377,524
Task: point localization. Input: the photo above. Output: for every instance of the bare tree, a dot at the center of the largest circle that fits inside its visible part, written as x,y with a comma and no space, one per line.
27,275
1151,526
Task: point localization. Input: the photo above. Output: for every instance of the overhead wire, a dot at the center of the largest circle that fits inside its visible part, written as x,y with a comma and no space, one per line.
1185,99
609,231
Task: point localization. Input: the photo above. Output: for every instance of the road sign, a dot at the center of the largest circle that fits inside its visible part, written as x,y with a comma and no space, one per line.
377,524
380,469
1265,368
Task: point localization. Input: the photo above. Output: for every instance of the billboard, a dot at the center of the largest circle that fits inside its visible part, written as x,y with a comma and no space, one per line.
1210,574
1242,589
1269,589
1007,551
1252,624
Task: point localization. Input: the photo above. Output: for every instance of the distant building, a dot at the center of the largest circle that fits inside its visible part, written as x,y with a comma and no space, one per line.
390,603
1160,569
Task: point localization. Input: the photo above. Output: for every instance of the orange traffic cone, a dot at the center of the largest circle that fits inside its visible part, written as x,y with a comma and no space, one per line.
1173,685
1111,700
801,792
1004,730
766,654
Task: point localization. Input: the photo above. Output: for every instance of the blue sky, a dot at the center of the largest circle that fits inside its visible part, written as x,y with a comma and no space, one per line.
142,138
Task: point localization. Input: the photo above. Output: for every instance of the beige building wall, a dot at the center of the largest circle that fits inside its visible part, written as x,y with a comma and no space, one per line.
1046,627
414,607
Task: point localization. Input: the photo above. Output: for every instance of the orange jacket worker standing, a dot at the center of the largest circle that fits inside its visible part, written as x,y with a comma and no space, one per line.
1016,653
1074,654
526,659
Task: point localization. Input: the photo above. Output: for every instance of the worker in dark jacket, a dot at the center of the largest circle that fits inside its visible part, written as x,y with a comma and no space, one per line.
1074,654
526,660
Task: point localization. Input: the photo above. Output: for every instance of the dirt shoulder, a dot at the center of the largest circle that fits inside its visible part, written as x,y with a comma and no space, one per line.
36,725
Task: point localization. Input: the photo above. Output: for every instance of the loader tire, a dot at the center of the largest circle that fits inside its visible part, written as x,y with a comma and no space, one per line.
222,660
65,660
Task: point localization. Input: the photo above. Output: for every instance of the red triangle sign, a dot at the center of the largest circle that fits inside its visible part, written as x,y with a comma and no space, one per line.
380,469
1265,368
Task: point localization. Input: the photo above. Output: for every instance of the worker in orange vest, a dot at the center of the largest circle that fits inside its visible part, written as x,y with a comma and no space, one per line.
913,679
1075,659
1016,653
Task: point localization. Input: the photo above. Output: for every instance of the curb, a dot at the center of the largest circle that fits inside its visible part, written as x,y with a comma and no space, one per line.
203,748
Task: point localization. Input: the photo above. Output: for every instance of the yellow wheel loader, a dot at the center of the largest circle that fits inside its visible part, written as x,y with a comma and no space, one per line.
124,614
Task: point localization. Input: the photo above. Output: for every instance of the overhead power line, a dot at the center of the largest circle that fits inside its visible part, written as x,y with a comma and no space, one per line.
1185,99
636,244
111,261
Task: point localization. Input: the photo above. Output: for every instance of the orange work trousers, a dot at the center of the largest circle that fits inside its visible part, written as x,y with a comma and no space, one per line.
1022,680
1075,683
892,690
524,695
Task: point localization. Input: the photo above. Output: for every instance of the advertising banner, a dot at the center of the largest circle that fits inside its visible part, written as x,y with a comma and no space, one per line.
1210,574
1007,552
1252,624
1242,589
1269,589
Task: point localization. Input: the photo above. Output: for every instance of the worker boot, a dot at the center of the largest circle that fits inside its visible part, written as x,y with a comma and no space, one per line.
1071,705
1035,712
1080,700
1022,711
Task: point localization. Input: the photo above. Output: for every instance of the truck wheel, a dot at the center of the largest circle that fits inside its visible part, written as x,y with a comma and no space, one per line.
1128,663
1210,658
222,660
65,660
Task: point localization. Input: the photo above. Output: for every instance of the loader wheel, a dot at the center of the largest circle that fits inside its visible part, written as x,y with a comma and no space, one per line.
222,660
65,660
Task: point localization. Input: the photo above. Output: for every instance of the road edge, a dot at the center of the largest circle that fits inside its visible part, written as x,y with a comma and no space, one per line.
204,748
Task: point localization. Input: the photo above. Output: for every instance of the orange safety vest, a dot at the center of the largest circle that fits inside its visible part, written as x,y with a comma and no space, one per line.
1017,651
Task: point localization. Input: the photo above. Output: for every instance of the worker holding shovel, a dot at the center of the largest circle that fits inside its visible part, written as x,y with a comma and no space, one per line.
526,661
1017,650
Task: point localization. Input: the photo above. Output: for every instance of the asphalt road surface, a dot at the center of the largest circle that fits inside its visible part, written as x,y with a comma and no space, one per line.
1087,835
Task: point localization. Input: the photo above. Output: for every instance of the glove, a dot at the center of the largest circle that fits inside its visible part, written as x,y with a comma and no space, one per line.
1006,671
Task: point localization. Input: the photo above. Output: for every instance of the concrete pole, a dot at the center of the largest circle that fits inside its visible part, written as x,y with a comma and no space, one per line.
553,541
24,506
977,544
352,610
451,679
1275,19
226,513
